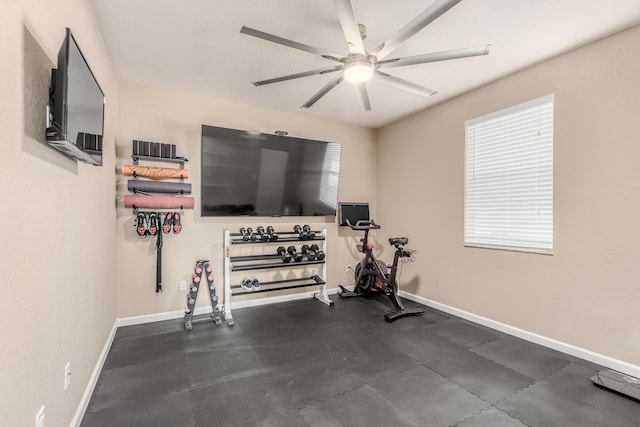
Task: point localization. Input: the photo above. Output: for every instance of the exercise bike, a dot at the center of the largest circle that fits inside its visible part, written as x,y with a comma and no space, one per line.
373,276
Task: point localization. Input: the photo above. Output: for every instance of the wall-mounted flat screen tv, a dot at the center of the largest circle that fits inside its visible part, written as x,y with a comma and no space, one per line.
76,119
256,174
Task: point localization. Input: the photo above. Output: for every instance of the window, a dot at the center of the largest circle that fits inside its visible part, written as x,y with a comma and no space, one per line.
331,174
509,178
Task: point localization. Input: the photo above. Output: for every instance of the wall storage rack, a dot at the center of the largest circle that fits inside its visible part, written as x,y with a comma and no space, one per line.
156,193
179,160
161,188
267,261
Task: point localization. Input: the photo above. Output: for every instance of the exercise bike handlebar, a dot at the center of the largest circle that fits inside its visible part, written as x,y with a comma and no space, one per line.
364,224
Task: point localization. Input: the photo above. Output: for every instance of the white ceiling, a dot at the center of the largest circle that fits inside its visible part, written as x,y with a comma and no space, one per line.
196,46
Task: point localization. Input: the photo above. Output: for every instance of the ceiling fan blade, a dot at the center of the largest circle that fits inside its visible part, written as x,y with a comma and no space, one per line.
363,96
298,75
403,84
290,43
435,57
433,12
349,24
322,92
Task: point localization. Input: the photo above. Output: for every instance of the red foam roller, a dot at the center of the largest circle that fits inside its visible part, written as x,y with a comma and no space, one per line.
157,202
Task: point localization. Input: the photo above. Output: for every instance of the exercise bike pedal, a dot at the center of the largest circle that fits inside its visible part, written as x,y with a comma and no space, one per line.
346,293
398,314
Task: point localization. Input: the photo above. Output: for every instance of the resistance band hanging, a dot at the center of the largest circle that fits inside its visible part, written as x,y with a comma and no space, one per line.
156,224
159,262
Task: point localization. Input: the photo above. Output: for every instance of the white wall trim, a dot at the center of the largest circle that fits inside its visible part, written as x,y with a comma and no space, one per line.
168,315
158,317
597,358
93,380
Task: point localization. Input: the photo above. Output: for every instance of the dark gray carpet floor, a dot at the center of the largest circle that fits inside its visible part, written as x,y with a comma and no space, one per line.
302,363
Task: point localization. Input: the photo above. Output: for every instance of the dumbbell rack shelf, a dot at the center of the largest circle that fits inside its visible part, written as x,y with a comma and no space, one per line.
278,265
280,240
316,281
256,262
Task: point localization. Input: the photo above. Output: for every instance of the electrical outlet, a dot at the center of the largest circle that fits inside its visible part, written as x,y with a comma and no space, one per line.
183,285
67,375
40,417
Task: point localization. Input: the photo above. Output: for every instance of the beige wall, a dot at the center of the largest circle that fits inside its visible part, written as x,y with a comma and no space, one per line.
158,114
57,255
587,293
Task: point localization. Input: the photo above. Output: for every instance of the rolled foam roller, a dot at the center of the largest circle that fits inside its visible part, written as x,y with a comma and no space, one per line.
158,202
167,187
154,172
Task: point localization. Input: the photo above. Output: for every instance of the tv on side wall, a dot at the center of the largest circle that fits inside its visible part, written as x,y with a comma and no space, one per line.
256,174
75,123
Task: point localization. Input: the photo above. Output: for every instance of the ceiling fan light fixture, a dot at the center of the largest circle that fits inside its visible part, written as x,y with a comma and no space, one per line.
359,71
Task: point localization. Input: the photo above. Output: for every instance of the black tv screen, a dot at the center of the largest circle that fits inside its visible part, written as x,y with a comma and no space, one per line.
256,174
77,106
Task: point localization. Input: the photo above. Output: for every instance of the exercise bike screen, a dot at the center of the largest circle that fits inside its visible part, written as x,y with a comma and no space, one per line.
353,212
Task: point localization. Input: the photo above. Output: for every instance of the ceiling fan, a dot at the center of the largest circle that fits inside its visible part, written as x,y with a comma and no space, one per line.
359,66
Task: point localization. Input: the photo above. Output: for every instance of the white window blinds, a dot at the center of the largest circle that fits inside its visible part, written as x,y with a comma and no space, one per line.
331,174
509,178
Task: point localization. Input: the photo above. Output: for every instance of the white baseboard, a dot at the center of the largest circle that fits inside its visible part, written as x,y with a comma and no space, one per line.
597,358
93,380
168,315
158,317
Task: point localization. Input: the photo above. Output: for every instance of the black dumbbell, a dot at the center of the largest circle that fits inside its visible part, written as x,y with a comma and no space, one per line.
250,234
250,284
261,234
286,256
271,233
310,235
245,235
295,255
301,234
320,255
306,250
247,284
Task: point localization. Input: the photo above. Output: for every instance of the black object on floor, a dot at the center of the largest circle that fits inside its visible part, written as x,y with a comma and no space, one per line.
304,364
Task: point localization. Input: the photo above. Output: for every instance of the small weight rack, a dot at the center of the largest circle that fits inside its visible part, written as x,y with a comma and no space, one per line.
272,261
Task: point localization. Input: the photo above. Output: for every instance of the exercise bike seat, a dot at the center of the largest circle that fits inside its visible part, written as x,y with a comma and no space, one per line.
398,241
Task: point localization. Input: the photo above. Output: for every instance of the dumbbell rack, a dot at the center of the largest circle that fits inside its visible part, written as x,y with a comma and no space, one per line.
272,261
